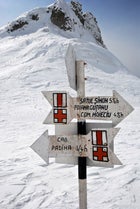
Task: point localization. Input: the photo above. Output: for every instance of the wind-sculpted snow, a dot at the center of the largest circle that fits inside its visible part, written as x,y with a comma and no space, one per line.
32,63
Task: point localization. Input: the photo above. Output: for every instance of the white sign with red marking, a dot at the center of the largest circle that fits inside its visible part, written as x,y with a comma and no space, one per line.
70,60
65,108
97,146
60,113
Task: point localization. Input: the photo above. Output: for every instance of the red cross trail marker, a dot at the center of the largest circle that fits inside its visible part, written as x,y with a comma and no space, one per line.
100,154
60,116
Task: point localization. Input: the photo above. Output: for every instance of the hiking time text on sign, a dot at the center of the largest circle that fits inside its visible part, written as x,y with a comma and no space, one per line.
97,145
65,108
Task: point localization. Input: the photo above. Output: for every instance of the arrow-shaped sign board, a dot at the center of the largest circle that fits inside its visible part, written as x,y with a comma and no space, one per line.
70,61
97,146
109,108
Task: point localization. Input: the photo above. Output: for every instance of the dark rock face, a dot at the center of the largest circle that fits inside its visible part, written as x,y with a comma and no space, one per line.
77,8
19,24
59,18
35,17
92,25
88,21
68,17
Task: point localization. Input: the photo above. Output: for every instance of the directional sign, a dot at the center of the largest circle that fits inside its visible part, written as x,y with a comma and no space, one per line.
59,146
65,108
70,61
97,146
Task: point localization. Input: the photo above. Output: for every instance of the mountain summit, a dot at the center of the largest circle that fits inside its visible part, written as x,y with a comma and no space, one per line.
66,17
43,35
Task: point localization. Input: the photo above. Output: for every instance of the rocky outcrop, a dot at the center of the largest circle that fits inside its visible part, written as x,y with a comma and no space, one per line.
60,19
66,16
77,8
92,25
18,24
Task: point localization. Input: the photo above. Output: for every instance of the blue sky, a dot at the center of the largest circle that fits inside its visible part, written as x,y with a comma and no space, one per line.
119,21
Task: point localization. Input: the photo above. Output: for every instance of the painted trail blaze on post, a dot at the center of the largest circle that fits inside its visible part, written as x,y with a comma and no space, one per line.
100,145
59,102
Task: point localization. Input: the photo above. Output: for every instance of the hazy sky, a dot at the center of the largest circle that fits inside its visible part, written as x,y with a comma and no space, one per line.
119,21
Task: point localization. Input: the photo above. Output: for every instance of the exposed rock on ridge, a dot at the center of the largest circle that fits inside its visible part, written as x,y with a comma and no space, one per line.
68,17
60,18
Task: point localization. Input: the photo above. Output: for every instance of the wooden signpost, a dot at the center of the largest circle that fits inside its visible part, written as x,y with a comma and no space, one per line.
81,143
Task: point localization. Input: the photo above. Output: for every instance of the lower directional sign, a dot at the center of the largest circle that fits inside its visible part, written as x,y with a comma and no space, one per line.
65,108
97,146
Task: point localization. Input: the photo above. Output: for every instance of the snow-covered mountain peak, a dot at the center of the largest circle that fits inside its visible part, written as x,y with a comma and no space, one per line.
61,3
67,18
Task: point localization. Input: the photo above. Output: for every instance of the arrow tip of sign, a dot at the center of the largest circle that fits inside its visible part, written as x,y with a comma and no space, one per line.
124,104
44,93
41,146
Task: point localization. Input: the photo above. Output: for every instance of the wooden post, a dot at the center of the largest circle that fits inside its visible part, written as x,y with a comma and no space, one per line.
81,125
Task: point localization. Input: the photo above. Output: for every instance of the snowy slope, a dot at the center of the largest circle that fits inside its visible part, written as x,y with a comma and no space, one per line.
32,61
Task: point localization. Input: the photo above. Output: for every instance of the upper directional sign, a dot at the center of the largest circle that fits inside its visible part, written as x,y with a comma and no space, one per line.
70,61
65,108
97,146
